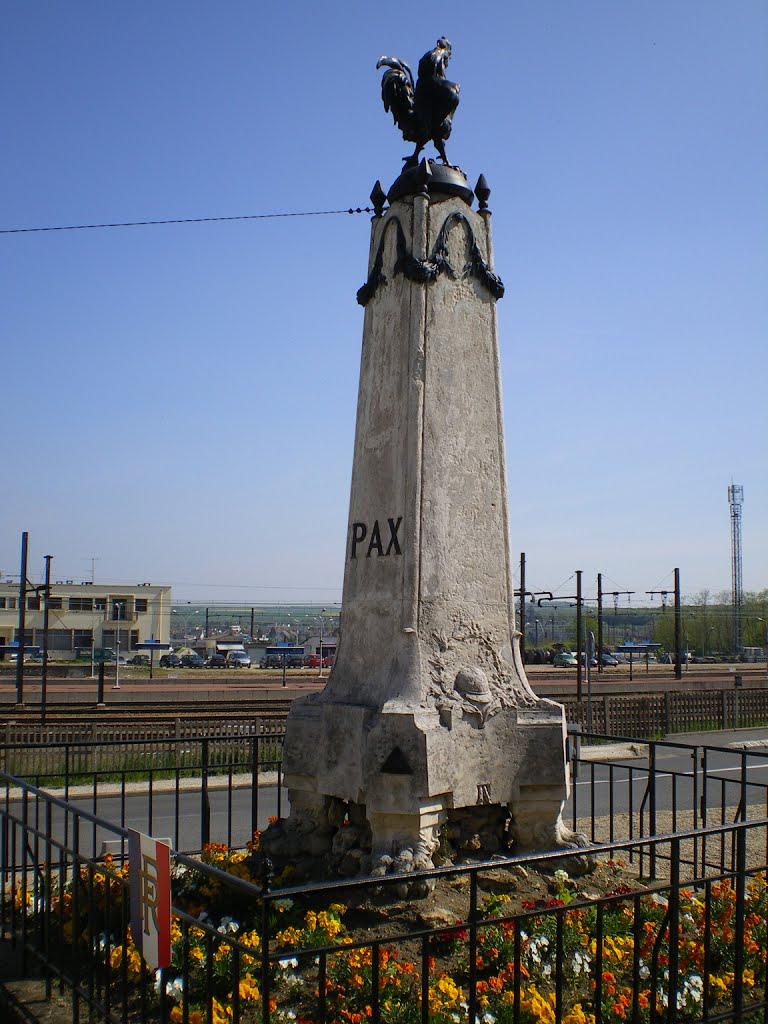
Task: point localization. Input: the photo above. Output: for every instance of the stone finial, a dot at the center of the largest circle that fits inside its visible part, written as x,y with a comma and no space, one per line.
423,176
378,198
483,192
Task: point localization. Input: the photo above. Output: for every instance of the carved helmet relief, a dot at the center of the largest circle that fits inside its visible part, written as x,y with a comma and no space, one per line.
471,684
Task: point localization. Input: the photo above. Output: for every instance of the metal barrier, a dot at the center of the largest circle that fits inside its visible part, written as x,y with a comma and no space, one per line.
688,942
641,955
660,714
187,789
667,787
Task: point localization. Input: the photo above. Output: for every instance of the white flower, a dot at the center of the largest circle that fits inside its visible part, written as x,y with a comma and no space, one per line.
227,925
561,877
581,963
286,962
175,989
284,904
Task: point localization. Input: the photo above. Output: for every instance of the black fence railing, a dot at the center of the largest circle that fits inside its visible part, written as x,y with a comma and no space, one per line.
663,786
676,710
687,945
671,925
187,790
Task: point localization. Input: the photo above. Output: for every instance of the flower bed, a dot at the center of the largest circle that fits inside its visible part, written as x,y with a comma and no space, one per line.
617,956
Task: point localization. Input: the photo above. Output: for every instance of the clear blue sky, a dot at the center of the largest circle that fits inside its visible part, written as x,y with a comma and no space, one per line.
179,401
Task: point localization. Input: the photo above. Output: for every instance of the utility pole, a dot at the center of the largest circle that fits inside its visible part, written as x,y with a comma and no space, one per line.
579,646
22,619
735,501
117,645
44,669
522,606
678,653
578,599
599,623
321,642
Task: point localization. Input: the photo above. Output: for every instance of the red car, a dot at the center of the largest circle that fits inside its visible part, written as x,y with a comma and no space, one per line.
313,661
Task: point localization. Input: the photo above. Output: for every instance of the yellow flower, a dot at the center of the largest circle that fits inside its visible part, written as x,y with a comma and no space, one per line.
247,989
221,1014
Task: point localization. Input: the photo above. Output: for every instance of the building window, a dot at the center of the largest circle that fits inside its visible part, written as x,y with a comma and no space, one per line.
28,641
108,639
99,604
55,603
81,604
33,603
141,604
119,611
58,639
7,602
134,639
83,639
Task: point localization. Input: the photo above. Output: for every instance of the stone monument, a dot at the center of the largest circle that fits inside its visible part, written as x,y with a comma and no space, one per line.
427,738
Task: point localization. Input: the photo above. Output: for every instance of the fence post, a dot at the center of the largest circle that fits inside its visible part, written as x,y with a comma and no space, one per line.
724,709
652,807
254,782
606,728
667,713
674,929
205,803
736,708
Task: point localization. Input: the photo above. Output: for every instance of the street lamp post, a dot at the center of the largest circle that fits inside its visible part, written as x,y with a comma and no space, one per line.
117,646
322,612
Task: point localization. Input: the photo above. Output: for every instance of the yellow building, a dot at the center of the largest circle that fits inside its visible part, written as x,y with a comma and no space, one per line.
82,615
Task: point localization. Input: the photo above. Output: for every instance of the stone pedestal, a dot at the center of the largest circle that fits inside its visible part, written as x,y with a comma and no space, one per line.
427,710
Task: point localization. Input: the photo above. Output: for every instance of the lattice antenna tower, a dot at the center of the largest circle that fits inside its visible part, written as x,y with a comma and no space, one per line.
735,501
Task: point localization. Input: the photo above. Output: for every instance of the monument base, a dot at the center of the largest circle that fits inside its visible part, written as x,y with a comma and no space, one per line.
400,790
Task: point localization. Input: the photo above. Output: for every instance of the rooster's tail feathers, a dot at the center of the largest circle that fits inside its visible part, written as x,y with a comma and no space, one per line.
397,90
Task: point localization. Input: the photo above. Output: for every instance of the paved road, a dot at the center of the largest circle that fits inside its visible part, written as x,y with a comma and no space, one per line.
166,818
601,787
616,785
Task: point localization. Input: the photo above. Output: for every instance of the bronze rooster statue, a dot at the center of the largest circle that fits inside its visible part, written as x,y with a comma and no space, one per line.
423,112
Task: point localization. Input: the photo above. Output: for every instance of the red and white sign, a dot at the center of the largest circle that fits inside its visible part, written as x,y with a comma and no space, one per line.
150,881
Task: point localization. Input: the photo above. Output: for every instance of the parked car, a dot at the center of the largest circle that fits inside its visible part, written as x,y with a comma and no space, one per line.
313,661
592,660
275,656
170,661
138,659
192,661
564,659
238,659
217,661
608,659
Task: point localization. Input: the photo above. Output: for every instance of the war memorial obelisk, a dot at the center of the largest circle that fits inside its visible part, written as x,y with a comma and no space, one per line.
427,735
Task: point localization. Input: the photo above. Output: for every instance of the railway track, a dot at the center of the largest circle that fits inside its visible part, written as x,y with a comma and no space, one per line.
144,712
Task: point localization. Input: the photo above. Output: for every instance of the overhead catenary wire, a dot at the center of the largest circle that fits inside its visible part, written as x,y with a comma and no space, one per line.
184,220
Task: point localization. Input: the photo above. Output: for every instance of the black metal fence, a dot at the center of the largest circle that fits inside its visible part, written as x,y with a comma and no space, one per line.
645,715
185,789
685,940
